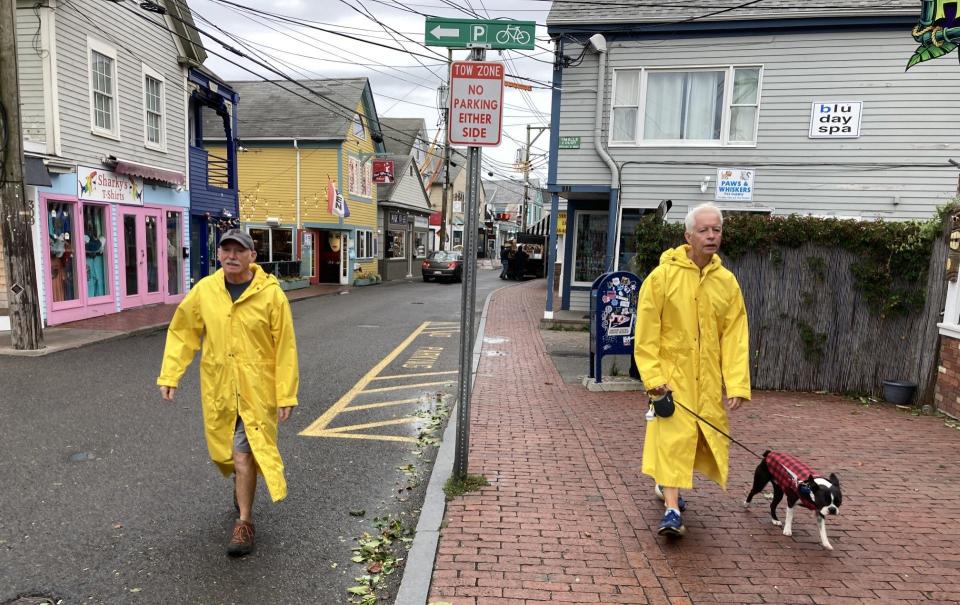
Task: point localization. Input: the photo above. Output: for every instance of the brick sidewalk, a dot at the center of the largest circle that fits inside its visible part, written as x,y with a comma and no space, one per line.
568,518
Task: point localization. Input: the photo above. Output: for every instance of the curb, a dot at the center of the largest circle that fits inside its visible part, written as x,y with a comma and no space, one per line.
417,574
98,336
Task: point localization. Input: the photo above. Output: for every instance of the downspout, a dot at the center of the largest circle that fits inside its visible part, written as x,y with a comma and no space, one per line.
599,44
297,147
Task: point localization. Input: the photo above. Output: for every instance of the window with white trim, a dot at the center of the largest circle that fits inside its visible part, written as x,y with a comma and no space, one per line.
154,122
103,89
365,244
702,106
358,129
359,177
272,244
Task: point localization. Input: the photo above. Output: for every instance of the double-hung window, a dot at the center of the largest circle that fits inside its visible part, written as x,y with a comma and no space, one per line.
702,106
154,135
103,89
359,177
365,244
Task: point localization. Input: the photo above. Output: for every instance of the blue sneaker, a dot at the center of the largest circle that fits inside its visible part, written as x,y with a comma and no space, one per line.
681,503
672,524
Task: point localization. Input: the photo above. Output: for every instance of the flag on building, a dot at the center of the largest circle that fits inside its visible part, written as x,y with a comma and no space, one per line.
336,205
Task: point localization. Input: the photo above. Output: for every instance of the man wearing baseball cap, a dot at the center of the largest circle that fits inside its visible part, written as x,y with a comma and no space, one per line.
248,372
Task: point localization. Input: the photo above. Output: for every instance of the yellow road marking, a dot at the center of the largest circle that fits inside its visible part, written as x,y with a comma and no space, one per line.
363,436
406,386
321,423
382,404
393,376
370,425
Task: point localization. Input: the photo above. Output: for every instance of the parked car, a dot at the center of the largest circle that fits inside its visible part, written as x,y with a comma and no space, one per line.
443,264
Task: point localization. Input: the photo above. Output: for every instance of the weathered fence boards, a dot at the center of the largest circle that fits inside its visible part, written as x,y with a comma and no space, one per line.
812,333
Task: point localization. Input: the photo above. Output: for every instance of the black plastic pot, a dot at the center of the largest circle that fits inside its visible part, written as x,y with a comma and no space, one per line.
899,392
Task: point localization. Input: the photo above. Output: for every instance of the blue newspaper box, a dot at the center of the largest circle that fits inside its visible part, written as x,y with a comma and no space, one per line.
613,316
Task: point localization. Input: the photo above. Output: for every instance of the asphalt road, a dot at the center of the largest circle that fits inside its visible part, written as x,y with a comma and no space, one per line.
107,494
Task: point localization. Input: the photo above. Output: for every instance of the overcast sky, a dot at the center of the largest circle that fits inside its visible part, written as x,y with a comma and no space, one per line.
403,85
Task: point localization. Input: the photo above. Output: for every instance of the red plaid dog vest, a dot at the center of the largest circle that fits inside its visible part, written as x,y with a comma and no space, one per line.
789,473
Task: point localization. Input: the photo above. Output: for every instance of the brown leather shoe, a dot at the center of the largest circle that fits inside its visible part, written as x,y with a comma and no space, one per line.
241,543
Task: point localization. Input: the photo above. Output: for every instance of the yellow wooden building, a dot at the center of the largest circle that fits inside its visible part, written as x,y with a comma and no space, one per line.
294,144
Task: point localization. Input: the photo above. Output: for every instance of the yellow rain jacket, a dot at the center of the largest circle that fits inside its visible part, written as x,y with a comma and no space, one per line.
691,334
248,366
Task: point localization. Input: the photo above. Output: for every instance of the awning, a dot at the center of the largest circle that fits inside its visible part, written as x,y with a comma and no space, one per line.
151,173
408,207
35,172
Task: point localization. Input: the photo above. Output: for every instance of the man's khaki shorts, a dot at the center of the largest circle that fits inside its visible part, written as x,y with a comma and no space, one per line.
240,443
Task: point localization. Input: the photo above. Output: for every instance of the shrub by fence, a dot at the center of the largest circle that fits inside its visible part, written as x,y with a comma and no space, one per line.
834,305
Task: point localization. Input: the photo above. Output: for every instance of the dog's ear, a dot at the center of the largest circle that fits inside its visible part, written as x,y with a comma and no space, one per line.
834,479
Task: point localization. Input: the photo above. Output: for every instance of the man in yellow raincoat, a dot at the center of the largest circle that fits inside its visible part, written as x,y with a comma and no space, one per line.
248,372
691,342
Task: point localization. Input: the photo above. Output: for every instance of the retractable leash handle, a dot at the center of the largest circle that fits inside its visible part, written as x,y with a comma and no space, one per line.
664,407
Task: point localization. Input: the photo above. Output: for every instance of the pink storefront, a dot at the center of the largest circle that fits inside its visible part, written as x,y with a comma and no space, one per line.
108,248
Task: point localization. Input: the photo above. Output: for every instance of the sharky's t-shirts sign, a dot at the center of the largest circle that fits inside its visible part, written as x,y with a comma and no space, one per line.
99,185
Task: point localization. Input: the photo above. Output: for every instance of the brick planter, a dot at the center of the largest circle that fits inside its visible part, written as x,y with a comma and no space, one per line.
947,393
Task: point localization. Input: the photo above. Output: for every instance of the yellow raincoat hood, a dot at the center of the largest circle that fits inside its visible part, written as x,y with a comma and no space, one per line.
248,367
691,334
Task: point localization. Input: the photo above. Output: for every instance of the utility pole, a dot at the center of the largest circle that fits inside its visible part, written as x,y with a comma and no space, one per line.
16,215
526,172
445,105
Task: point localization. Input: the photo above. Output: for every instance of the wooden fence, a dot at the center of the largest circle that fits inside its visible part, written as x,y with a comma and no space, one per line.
811,329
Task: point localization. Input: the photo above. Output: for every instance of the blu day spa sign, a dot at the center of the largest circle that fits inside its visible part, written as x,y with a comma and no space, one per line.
830,120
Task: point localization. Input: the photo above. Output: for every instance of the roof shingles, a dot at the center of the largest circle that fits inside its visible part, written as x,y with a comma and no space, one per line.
569,12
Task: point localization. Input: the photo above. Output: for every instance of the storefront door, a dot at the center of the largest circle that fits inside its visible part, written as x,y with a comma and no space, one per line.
142,275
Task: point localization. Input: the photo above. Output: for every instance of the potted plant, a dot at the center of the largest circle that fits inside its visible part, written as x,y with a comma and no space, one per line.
294,282
899,392
360,278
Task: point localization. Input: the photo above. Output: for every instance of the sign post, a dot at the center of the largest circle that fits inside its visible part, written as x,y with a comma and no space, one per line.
476,107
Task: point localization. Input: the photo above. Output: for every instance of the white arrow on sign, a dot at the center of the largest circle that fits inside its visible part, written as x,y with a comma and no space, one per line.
443,32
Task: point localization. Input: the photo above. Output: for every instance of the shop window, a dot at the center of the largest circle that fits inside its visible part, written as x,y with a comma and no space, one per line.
281,245
95,246
419,244
272,245
629,220
589,247
395,244
63,262
261,243
174,253
365,244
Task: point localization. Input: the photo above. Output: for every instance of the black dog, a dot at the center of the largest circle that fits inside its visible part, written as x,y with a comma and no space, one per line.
800,483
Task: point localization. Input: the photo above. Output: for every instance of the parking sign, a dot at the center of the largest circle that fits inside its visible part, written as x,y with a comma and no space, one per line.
476,103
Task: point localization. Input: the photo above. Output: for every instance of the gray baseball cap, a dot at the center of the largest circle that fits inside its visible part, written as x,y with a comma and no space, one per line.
237,235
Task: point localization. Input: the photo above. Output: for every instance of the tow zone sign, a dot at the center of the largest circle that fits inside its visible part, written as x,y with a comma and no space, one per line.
476,103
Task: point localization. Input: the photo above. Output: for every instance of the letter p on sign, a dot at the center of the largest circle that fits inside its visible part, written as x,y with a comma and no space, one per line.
478,33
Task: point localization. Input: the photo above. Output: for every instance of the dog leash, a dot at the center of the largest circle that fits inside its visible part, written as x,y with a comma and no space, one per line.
711,425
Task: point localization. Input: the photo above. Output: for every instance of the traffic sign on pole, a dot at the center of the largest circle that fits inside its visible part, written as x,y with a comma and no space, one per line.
476,103
492,33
